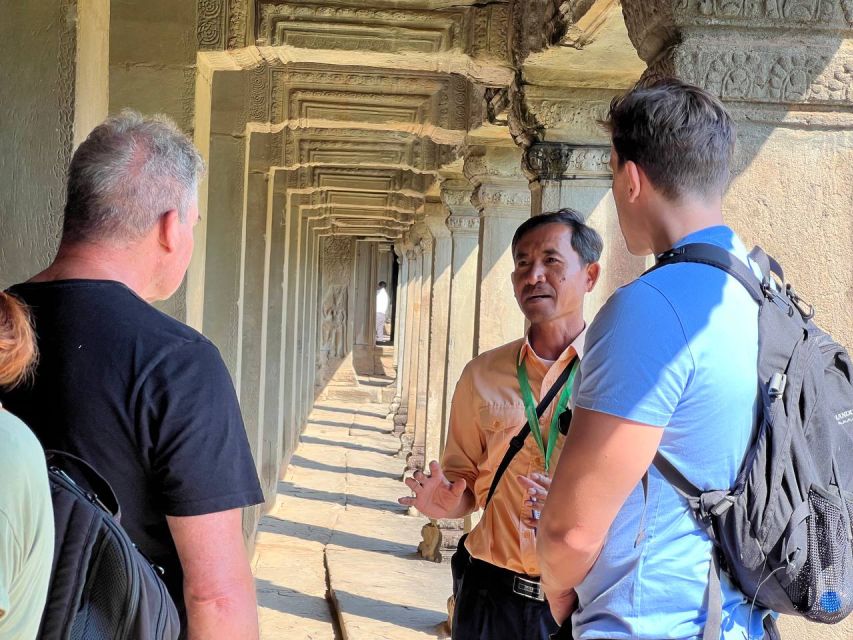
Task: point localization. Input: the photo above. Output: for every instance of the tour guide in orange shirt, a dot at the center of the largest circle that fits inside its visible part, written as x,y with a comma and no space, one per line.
556,264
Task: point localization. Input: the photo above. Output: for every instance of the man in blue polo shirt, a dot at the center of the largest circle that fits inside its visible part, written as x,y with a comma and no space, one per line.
670,366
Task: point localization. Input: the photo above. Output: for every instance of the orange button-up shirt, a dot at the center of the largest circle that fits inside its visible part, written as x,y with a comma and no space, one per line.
486,412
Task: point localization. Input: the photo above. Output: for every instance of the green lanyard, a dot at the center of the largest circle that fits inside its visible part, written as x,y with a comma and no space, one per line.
530,410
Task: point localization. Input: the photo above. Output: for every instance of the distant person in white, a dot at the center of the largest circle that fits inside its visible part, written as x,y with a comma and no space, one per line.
382,302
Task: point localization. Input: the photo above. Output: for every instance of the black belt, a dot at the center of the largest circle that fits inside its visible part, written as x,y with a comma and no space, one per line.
517,583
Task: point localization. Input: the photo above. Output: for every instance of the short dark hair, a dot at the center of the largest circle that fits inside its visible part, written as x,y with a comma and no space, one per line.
126,174
680,135
586,241
382,283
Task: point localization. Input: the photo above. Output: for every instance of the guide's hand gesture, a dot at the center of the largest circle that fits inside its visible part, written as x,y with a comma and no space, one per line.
435,495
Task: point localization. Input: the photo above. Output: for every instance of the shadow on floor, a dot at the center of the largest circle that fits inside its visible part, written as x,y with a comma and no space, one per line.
415,618
336,537
355,426
289,489
278,598
358,412
346,445
305,463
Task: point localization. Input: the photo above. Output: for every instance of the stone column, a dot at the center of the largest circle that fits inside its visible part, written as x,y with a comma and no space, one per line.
311,305
410,353
400,326
464,226
442,254
577,175
416,459
502,196
454,248
440,537
364,322
785,72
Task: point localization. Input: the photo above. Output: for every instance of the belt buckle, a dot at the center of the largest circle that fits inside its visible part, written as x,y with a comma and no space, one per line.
528,589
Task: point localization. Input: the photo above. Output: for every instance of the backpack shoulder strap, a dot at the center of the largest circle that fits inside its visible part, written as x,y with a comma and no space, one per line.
714,256
518,439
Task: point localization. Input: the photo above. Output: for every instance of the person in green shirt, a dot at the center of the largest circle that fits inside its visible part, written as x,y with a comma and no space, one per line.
26,512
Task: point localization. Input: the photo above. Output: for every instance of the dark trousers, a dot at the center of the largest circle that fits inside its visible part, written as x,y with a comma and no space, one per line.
488,609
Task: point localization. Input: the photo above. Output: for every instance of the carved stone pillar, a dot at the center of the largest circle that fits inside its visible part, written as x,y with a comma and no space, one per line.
464,226
440,537
417,427
785,72
502,197
410,353
400,321
442,253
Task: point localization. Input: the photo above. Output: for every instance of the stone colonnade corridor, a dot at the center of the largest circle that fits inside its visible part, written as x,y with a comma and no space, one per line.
336,557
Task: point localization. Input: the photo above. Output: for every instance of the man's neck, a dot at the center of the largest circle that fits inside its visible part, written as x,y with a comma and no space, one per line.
86,261
678,220
550,339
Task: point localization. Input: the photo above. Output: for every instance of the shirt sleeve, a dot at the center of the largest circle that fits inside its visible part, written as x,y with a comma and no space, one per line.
637,361
200,458
465,447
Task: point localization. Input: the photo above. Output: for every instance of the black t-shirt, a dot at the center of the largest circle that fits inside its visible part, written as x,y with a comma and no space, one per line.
144,399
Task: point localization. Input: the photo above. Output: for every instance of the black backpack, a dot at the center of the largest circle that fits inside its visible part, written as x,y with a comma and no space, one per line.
101,587
784,532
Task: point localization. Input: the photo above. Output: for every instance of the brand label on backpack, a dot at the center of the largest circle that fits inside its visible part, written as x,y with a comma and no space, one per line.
845,417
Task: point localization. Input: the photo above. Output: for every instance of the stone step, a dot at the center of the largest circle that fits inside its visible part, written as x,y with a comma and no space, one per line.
356,395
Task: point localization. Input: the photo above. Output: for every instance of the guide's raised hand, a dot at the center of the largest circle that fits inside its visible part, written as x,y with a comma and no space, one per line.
434,495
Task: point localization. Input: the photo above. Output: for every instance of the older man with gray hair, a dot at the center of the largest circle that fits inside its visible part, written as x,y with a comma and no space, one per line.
137,394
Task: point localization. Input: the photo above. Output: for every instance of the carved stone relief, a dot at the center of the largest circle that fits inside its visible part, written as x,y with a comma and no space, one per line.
334,322
336,255
769,76
221,24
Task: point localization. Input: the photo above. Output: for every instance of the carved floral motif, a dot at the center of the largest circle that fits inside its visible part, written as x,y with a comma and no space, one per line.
802,11
769,76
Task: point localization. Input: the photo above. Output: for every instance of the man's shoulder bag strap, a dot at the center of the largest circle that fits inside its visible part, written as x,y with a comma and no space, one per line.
517,441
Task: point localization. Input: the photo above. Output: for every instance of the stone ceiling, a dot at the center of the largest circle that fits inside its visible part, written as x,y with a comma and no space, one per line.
359,109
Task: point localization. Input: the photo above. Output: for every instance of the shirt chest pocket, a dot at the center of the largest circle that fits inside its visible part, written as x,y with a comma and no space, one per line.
499,425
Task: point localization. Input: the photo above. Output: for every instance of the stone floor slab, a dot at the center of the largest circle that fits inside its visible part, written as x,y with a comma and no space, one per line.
337,554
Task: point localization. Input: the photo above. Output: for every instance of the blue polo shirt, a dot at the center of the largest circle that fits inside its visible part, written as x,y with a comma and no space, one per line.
675,349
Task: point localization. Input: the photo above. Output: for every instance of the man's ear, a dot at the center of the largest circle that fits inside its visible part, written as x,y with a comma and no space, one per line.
635,183
168,229
593,270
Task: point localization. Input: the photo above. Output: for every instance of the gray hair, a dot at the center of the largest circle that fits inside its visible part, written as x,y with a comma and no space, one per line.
586,241
129,171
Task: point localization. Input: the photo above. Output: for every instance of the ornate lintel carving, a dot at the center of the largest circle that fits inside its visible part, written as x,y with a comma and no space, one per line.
558,160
